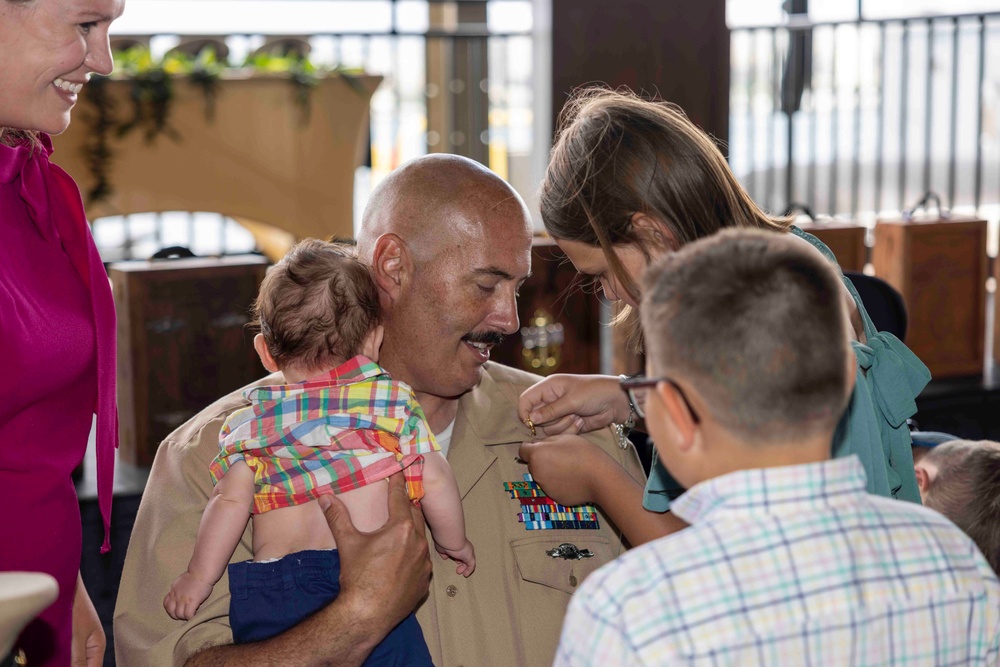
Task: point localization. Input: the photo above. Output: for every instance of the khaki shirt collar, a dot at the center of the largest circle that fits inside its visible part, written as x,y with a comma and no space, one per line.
486,418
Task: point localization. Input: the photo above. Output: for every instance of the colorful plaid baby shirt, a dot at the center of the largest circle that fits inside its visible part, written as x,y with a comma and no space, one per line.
344,429
795,566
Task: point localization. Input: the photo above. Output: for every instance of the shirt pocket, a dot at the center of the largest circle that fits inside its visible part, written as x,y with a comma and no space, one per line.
535,565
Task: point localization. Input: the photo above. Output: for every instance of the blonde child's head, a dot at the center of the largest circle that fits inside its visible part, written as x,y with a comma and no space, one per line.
961,480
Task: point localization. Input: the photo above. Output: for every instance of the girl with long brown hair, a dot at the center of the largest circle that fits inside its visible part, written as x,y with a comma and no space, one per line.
632,179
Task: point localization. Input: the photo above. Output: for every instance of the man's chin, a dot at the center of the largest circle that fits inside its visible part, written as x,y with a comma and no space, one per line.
471,377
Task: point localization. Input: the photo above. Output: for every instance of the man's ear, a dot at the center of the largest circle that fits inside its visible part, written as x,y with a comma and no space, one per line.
649,229
683,421
265,354
390,264
373,342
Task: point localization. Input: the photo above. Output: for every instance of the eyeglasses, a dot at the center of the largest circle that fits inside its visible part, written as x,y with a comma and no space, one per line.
638,386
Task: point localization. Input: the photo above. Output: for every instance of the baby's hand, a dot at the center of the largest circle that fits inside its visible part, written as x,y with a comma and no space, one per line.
465,557
185,596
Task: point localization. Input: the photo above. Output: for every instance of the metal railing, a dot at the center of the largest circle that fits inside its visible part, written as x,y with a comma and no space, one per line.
412,113
857,118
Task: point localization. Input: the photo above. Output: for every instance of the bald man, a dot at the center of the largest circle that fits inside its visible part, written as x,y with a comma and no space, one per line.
449,243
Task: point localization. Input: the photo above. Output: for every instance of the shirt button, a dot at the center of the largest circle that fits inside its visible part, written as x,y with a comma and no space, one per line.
572,581
451,591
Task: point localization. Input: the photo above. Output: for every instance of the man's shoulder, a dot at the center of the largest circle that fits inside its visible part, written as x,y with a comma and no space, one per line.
218,411
510,376
499,388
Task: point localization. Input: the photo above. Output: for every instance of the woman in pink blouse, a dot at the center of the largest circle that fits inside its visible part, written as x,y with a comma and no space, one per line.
57,322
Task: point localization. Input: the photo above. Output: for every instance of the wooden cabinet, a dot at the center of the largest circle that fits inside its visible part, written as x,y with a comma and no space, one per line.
182,342
845,239
939,266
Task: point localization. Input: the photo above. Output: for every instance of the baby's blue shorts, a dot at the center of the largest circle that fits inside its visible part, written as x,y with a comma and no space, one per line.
270,597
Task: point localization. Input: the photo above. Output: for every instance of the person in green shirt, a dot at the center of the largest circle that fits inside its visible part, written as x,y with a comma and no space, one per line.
629,180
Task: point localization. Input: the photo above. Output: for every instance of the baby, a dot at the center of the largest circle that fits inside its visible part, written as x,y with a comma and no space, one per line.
340,424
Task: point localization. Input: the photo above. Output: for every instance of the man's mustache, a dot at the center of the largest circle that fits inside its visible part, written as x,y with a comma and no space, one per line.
489,337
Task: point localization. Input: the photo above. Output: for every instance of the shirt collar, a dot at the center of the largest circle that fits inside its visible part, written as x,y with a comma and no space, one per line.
773,490
356,369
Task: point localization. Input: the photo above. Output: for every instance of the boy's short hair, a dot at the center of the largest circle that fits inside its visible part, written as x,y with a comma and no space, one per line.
756,322
316,306
966,489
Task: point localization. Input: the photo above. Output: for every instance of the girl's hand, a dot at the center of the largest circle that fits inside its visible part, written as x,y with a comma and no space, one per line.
465,557
89,640
567,467
574,403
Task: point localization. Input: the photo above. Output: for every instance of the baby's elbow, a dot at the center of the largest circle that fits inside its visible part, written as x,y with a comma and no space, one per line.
227,497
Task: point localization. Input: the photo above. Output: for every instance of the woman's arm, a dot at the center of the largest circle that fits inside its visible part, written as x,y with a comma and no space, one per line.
573,471
574,403
89,640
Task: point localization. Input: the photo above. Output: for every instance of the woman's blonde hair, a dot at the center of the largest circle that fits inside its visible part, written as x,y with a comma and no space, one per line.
616,155
13,137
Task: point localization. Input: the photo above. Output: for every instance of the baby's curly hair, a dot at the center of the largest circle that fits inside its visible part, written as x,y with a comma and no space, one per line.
316,305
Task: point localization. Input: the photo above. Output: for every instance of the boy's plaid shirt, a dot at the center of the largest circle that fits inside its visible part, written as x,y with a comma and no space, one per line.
795,565
344,429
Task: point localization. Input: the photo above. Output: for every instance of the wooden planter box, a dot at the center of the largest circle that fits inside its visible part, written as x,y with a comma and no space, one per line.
940,267
260,157
182,342
845,239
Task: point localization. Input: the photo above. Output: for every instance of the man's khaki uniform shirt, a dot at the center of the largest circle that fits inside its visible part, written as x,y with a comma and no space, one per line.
509,612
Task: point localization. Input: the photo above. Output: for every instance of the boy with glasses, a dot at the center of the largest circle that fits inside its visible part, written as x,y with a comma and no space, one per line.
787,560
